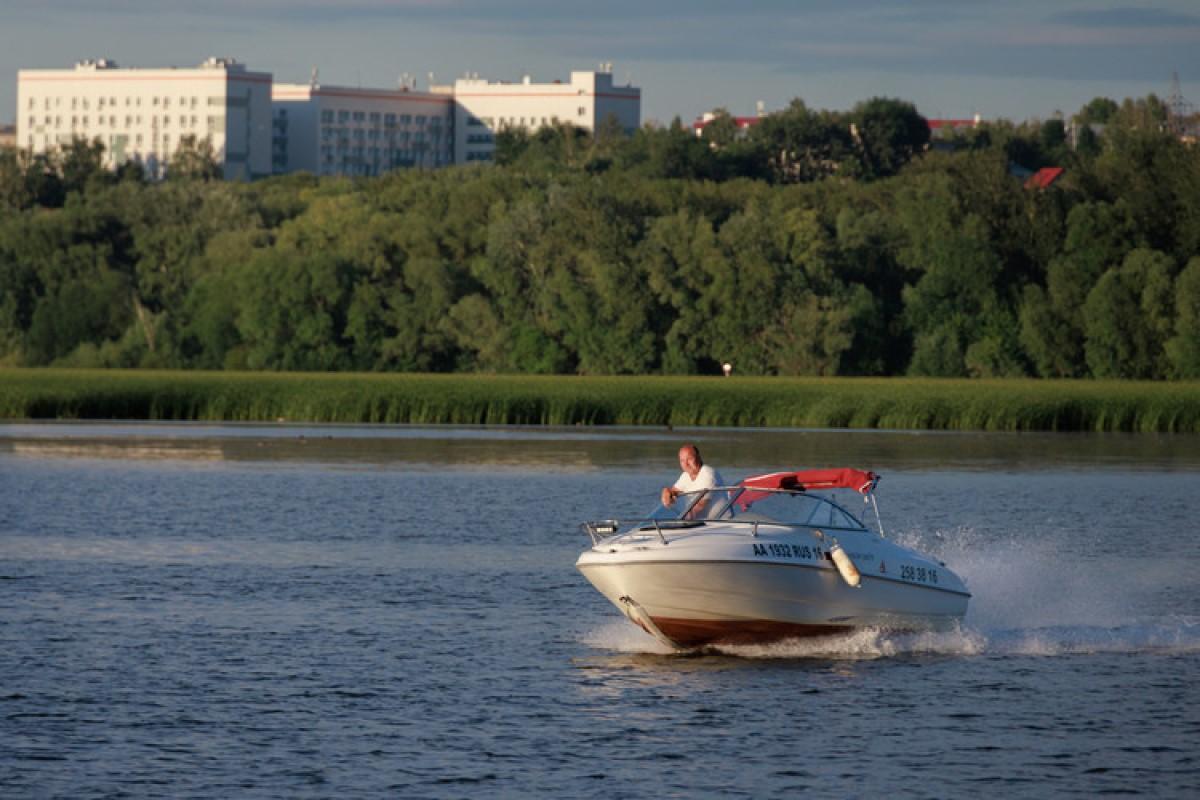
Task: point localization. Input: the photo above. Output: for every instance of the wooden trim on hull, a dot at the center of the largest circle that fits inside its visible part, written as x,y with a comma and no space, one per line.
700,632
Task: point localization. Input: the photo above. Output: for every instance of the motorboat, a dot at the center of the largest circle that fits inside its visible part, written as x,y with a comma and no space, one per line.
773,557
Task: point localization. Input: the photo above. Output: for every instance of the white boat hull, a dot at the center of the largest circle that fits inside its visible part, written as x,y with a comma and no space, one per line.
706,587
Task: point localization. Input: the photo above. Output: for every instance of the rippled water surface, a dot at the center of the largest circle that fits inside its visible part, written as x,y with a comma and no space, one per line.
245,611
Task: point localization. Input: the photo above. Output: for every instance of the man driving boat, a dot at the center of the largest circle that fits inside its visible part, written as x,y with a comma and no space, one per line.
696,476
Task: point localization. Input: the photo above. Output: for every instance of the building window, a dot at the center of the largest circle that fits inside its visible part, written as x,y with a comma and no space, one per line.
359,116
326,116
582,111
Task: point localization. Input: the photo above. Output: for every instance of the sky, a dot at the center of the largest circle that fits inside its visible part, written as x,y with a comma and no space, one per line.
1013,59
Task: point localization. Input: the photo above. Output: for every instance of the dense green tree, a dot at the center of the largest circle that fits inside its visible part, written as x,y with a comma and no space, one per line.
13,193
671,152
78,311
81,164
1098,111
291,310
956,297
29,180
804,145
194,159
866,245
1098,236
1128,317
1183,349
682,259
888,134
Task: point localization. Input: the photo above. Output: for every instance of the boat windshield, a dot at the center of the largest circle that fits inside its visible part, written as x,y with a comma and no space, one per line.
758,505
798,508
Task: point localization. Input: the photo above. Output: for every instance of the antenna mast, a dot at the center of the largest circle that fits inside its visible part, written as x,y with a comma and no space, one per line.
1179,110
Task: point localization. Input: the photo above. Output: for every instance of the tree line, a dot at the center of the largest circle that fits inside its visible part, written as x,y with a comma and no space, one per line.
813,243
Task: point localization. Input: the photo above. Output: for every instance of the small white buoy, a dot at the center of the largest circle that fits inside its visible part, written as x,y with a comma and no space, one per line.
845,566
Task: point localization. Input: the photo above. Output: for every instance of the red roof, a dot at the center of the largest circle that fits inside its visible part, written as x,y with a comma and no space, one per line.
741,122
934,124
1043,178
859,480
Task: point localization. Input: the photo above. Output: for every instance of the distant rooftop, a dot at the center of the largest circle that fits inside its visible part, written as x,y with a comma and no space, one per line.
1044,178
212,62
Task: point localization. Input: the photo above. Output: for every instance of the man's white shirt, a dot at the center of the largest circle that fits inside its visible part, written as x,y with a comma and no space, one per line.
706,478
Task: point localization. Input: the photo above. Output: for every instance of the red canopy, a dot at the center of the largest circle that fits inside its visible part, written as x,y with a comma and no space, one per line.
856,479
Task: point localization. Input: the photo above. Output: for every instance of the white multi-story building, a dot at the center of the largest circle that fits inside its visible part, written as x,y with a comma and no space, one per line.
482,109
335,130
258,128
143,114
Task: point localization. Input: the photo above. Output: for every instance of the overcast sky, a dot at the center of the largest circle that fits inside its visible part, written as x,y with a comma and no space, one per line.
1017,59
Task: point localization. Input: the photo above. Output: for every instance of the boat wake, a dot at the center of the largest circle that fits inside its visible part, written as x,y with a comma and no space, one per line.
1179,636
1032,598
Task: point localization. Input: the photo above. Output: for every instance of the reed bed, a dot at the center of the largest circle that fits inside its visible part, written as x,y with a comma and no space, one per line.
893,403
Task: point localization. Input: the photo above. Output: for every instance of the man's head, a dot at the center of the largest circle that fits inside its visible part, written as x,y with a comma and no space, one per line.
690,460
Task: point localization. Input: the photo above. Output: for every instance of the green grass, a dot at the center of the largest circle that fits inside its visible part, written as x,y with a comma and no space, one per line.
896,403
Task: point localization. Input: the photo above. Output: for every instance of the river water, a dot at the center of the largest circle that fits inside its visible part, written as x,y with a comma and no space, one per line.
344,611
